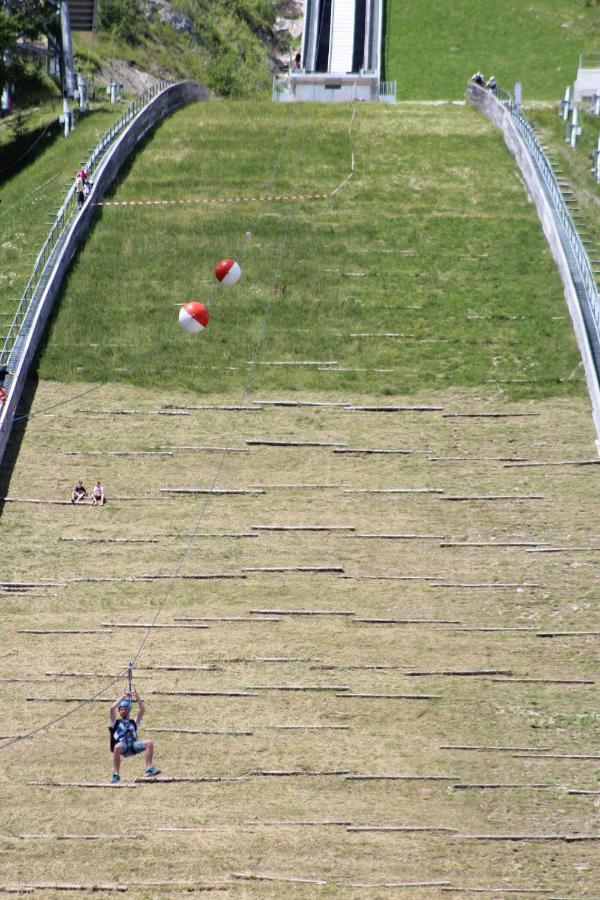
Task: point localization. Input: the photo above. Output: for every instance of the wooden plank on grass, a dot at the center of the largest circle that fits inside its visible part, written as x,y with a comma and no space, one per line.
81,784
568,838
552,462
212,491
386,408
359,696
193,693
479,748
297,773
285,403
434,829
514,679
174,779
302,527
202,731
492,786
303,612
303,727
490,544
516,497
366,451
103,630
397,537
461,672
361,576
205,448
570,756
490,415
392,490
272,443
486,584
385,777
553,634
391,621
276,569
298,687
254,876
257,619
153,625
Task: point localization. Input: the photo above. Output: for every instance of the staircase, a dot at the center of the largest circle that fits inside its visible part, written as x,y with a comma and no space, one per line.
83,14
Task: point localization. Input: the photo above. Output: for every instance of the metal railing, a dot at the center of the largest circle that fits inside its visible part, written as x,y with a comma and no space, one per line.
545,169
387,91
63,218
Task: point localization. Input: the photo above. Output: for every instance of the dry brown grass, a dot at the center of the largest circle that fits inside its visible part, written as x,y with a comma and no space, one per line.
231,832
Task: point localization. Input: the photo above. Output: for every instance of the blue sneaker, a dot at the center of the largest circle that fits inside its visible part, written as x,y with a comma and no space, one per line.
150,771
115,779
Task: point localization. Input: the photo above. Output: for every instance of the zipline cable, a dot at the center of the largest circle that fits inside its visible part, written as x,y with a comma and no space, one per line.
251,367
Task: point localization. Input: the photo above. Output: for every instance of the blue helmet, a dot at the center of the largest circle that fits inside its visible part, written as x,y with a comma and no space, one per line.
125,704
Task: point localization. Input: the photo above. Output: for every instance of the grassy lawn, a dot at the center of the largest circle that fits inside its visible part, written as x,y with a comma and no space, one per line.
427,269
34,192
432,48
439,685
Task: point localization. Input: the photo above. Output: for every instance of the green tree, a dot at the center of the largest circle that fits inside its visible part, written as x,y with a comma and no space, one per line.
26,19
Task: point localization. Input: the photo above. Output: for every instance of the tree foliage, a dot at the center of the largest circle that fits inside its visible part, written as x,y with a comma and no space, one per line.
27,19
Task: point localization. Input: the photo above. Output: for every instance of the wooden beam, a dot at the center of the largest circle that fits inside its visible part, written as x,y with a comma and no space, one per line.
272,443
487,749
356,696
200,731
303,527
152,625
203,693
369,777
392,491
212,491
276,569
298,687
517,498
303,612
81,784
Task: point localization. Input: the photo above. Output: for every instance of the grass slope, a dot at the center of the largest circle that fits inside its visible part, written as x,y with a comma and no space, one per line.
432,241
432,48
211,830
34,192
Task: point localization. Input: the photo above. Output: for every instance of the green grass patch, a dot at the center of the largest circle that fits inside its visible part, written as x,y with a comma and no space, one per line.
431,241
31,197
576,164
433,48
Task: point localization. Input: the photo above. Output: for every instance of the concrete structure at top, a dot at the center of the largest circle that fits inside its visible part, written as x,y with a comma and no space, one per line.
587,83
341,53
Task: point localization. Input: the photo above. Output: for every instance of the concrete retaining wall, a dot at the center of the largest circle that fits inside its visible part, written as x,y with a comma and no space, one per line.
105,175
501,117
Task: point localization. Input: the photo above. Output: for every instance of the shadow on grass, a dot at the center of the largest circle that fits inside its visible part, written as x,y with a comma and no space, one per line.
17,435
25,148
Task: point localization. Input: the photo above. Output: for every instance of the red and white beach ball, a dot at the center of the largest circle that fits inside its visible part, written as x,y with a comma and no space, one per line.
193,316
228,271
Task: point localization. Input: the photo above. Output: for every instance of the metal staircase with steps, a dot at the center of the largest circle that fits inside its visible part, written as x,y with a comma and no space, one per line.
83,14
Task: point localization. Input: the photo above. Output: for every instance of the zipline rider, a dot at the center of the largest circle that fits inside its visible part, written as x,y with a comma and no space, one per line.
123,735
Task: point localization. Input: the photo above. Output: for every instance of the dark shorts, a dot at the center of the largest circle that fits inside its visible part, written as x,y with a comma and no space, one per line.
131,749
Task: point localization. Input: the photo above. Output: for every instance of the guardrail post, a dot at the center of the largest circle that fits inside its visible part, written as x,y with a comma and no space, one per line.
565,106
596,158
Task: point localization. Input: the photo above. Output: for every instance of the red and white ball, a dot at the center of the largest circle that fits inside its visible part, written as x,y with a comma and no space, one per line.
193,317
227,271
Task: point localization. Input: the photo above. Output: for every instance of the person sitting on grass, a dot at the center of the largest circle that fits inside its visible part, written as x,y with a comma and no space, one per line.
123,735
98,495
79,493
